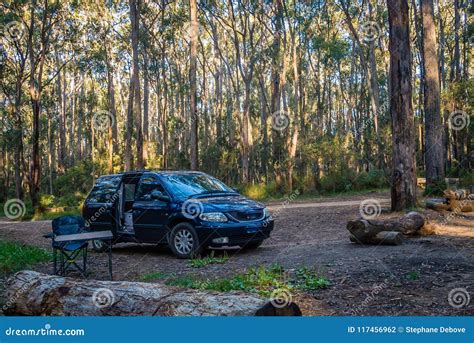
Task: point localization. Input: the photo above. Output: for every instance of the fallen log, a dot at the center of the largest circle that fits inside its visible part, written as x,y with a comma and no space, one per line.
389,231
459,200
35,294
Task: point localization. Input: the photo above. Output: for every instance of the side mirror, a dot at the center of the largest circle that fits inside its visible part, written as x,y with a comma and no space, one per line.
157,195
236,190
163,198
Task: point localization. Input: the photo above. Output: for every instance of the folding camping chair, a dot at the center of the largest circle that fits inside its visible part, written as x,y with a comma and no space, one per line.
68,251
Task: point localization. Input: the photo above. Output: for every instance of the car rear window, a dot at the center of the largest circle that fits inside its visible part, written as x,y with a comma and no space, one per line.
104,189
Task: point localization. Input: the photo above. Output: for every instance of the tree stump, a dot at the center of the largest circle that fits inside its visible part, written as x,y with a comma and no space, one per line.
35,294
389,232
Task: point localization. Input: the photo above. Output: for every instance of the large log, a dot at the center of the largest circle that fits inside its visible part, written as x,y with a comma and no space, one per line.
459,200
370,231
36,294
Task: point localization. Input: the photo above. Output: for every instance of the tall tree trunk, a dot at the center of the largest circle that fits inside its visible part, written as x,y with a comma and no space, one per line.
456,63
62,116
137,105
403,184
35,85
193,85
146,104
18,137
434,156
275,78
293,136
80,115
112,132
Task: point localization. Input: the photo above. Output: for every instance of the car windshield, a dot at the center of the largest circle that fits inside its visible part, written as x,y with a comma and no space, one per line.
187,185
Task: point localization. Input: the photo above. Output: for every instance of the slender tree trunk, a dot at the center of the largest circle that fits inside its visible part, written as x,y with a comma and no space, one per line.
275,78
434,155
456,64
35,85
18,137
80,115
112,132
146,104
403,184
193,86
62,117
128,159
137,105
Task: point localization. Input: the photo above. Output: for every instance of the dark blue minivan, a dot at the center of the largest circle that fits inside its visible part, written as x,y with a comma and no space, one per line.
189,211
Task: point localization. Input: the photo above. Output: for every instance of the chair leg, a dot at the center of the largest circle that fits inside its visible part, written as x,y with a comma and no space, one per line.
55,260
84,261
109,253
61,263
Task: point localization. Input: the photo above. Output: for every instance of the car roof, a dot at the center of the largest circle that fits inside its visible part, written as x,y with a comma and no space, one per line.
162,172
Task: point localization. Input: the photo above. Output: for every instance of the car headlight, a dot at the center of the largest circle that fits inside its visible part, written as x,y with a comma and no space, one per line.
217,217
267,213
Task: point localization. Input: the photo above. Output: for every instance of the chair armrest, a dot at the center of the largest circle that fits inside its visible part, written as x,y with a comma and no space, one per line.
49,235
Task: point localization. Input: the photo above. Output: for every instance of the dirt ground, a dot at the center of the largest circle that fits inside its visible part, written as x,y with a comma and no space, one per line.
414,278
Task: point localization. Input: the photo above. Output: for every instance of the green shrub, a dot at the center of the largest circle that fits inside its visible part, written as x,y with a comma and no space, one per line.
76,179
436,188
15,256
261,280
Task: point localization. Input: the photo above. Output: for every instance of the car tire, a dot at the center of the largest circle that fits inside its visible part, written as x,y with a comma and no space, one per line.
252,245
184,241
99,245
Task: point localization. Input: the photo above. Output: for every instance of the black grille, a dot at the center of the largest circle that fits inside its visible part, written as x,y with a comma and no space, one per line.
247,216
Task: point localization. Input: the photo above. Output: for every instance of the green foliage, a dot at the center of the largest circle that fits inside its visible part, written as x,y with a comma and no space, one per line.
205,261
466,179
413,275
261,280
77,179
436,188
154,276
15,256
307,279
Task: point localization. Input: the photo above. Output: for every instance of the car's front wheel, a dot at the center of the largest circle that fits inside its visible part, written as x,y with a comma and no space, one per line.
99,245
184,241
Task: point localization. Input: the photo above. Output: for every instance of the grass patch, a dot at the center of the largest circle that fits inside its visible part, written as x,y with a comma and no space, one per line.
262,280
15,256
414,276
211,259
306,279
154,276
